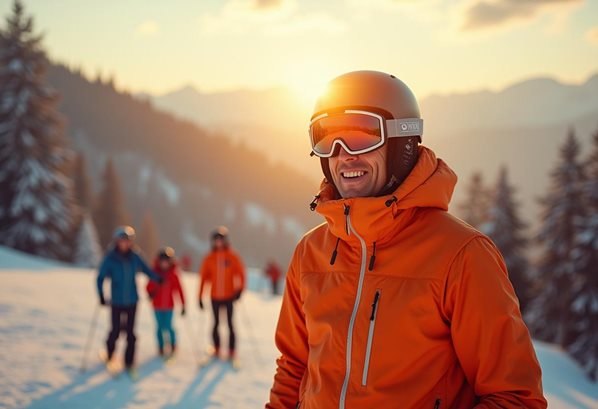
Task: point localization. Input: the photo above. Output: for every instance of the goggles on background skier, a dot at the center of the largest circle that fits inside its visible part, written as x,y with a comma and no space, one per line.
357,131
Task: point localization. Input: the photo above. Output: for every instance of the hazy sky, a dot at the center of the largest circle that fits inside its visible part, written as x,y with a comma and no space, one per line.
433,45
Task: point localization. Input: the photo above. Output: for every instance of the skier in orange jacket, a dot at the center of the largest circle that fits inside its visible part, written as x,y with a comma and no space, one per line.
224,270
393,302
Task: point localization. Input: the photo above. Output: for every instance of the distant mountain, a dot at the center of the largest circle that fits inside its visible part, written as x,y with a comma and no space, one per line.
520,126
272,121
533,103
190,179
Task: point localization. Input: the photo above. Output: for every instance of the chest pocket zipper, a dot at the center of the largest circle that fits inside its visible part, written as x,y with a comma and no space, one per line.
368,350
437,404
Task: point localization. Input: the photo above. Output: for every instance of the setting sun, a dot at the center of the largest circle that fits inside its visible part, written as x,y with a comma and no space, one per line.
308,79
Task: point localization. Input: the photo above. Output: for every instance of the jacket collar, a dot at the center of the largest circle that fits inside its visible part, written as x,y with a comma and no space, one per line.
430,184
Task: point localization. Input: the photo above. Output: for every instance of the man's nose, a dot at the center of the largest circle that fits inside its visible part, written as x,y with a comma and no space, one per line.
344,155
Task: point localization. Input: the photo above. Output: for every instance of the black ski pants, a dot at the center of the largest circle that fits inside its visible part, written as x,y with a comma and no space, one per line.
122,320
218,305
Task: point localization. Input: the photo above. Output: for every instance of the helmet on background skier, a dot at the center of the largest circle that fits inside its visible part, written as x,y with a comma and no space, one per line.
221,232
356,95
124,233
166,254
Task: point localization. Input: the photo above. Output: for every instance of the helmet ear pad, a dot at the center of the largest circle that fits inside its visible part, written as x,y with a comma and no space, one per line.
401,159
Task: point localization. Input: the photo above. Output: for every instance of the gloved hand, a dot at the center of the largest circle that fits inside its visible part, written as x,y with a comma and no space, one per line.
200,304
238,294
103,301
183,312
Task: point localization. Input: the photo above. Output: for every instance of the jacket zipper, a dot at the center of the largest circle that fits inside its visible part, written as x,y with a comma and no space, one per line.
368,349
362,269
219,275
437,404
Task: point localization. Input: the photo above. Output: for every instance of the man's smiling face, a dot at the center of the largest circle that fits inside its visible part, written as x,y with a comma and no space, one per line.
359,175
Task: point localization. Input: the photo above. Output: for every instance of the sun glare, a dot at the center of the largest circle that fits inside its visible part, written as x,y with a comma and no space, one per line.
309,78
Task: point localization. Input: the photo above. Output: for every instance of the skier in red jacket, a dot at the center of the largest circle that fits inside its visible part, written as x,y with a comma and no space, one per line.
162,296
272,272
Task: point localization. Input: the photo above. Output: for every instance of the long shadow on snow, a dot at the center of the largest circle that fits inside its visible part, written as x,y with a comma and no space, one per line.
110,393
197,394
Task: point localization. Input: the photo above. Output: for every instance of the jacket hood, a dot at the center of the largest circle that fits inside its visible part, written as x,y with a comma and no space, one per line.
430,184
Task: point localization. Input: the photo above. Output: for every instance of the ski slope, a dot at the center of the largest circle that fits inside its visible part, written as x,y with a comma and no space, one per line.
45,312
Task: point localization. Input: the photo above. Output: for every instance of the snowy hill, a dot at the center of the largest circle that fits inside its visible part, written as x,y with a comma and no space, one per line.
45,311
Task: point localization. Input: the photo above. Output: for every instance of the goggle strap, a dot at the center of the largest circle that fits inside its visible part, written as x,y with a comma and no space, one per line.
404,127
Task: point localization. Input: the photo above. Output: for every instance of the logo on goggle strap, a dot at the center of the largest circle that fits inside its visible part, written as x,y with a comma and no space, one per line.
409,126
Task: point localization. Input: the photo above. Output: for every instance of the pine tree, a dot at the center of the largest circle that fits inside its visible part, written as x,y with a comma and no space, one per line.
109,207
148,237
550,311
585,293
83,192
87,246
37,210
474,209
507,230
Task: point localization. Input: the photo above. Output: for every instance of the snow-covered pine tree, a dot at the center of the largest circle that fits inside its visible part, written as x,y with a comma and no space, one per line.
87,246
109,207
505,227
474,208
549,313
148,238
585,293
83,191
37,209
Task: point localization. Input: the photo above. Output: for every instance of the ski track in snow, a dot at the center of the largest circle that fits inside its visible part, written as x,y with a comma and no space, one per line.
45,312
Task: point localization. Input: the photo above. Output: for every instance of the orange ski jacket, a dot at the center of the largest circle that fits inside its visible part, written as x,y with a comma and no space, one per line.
394,303
225,272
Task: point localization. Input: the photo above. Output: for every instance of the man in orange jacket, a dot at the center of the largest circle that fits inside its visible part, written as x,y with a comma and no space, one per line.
223,269
393,302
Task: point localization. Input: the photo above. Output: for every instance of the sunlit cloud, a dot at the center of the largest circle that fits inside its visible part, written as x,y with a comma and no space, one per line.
483,14
275,17
236,16
592,35
310,22
267,4
147,29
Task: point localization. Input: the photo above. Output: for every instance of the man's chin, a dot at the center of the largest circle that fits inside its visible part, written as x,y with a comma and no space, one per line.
352,192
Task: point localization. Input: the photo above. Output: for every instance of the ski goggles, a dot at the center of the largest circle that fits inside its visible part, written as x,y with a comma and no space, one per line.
357,131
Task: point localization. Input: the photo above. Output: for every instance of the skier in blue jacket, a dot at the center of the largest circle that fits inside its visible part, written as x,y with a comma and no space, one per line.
121,264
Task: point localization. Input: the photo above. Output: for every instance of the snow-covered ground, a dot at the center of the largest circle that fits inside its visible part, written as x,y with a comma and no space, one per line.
45,312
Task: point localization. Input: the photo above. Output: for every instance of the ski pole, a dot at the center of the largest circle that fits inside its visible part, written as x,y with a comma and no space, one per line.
251,334
90,335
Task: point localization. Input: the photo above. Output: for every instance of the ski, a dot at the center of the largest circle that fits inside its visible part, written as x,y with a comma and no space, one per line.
235,363
169,359
132,374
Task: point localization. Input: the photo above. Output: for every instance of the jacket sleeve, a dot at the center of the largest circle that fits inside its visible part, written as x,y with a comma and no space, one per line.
491,340
146,269
178,288
291,341
103,272
239,272
151,288
205,275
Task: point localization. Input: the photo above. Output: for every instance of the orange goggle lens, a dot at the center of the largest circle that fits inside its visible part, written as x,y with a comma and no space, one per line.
357,132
